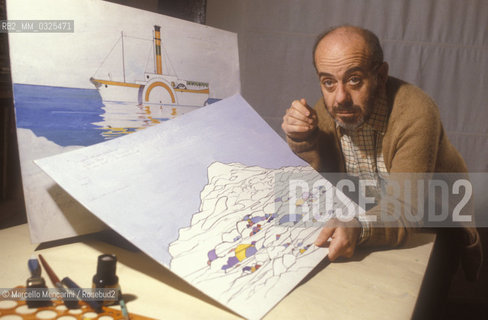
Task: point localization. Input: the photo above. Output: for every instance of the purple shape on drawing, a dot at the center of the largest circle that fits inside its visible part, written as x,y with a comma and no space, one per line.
257,219
250,251
232,261
212,255
295,218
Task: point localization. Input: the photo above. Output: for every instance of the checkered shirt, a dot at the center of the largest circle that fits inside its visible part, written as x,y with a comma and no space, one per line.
362,148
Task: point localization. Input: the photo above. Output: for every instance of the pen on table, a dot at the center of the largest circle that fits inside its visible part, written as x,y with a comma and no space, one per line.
70,304
123,307
72,285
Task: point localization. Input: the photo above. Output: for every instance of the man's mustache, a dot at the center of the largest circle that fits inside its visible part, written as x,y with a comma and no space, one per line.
347,108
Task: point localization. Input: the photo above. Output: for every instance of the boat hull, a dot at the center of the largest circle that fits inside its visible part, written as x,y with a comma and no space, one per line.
117,91
158,90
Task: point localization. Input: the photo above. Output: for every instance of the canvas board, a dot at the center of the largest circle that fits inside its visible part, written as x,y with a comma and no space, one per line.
210,196
117,70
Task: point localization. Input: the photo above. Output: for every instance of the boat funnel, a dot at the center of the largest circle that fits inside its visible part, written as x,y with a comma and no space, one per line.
157,49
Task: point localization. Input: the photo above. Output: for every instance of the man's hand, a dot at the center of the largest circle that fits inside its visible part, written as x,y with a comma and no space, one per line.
299,121
344,237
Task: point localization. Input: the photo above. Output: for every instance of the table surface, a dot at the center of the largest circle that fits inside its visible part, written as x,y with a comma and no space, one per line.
374,285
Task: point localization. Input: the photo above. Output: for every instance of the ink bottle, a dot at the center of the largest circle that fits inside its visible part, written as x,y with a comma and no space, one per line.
105,278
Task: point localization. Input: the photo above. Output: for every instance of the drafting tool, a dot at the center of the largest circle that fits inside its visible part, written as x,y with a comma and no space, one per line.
19,311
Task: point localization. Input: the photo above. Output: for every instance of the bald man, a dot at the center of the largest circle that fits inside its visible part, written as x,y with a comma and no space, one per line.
370,126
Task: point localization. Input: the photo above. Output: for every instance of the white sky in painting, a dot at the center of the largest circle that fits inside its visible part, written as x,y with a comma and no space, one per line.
196,52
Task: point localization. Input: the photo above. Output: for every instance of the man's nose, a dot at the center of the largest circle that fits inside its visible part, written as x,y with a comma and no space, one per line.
342,95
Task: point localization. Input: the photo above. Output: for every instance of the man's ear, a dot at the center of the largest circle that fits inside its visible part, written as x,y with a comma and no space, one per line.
383,74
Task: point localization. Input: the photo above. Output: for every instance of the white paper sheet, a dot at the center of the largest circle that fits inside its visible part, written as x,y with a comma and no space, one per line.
208,196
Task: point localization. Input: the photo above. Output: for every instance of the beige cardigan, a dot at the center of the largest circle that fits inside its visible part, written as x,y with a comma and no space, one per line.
414,141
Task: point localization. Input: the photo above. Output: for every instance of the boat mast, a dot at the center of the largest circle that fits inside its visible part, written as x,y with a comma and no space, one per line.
123,55
157,49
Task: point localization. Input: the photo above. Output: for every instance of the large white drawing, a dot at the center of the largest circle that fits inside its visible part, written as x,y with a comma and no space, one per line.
245,240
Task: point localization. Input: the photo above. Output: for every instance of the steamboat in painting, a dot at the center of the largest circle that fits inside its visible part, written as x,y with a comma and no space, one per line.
158,87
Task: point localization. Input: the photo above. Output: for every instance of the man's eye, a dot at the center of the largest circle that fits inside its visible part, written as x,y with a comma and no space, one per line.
328,83
355,81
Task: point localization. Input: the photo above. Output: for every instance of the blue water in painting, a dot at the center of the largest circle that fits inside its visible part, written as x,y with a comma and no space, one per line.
62,115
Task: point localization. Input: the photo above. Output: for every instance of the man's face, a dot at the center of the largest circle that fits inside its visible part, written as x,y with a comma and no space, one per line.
347,79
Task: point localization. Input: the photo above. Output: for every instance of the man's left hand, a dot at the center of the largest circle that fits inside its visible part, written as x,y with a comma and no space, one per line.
344,236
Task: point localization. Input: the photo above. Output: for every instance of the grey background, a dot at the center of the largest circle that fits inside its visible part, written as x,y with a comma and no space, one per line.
439,45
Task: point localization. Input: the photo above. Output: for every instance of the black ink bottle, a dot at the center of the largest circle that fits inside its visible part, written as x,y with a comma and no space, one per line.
105,278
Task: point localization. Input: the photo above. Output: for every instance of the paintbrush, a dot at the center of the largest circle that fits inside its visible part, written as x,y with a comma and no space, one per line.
70,304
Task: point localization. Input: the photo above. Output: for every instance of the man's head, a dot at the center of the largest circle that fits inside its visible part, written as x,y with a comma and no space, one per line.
350,66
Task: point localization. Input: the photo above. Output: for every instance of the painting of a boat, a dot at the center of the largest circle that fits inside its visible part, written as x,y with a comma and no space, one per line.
159,87
145,68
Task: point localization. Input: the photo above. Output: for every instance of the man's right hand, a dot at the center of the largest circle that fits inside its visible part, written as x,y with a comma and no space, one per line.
300,121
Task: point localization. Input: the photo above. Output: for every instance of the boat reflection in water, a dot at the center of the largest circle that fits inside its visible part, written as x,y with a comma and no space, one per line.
120,118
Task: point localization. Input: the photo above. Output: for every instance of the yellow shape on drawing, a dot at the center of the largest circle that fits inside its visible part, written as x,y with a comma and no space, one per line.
241,251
